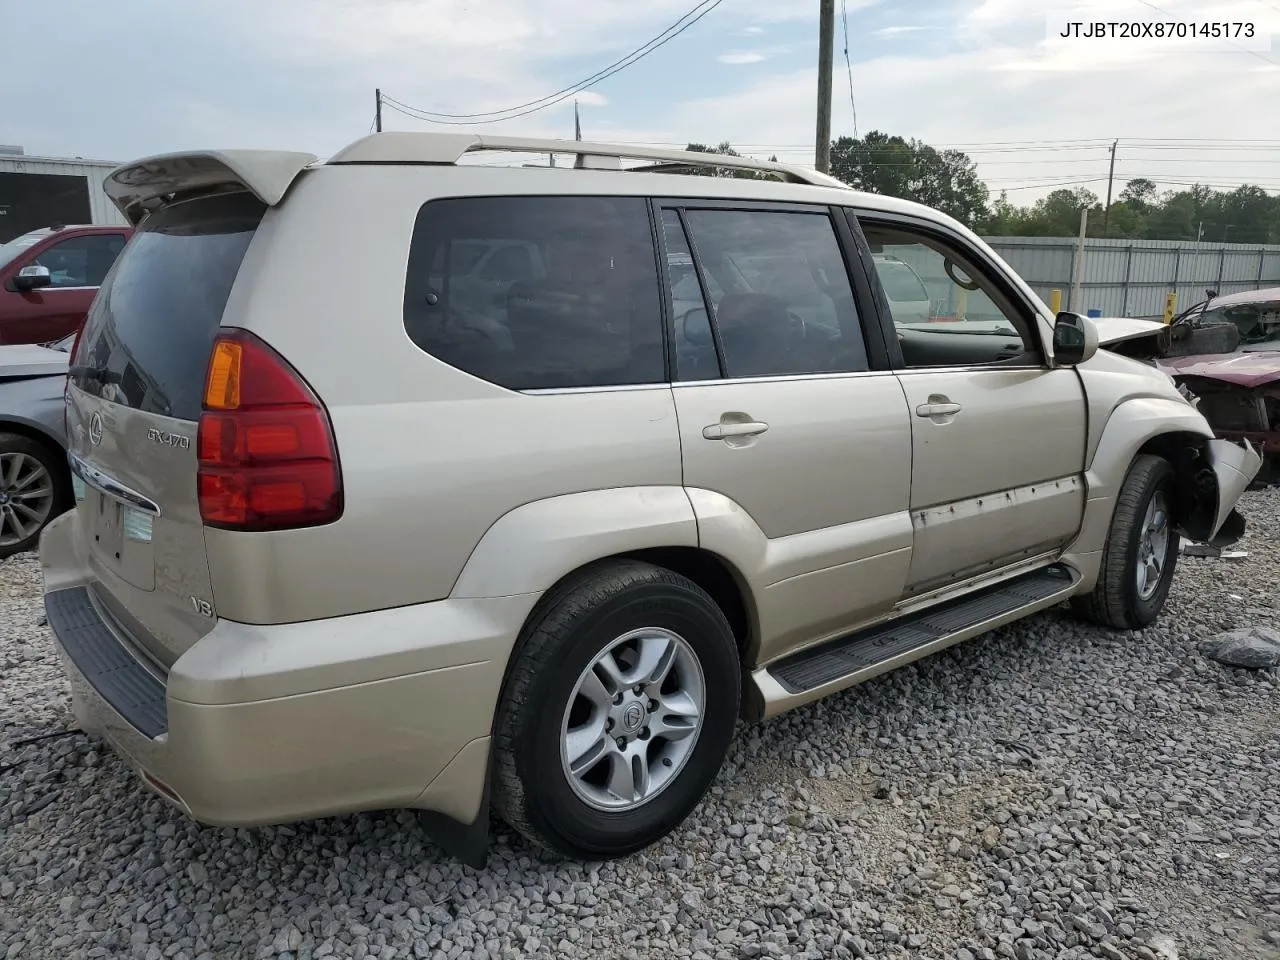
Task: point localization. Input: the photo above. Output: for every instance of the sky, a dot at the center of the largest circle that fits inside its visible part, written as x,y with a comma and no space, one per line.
126,78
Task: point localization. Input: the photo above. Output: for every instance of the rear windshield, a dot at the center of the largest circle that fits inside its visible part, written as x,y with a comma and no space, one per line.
152,324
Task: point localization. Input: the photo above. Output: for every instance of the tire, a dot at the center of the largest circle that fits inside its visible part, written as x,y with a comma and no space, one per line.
27,467
1119,599
561,657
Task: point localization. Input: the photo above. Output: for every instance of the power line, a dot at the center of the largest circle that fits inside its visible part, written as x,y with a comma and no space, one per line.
848,66
1041,186
699,11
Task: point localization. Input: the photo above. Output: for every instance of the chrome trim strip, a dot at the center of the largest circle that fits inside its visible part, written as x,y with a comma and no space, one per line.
717,382
786,378
615,388
962,588
111,486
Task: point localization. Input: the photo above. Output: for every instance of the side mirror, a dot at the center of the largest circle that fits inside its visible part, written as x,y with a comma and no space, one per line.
32,277
1075,339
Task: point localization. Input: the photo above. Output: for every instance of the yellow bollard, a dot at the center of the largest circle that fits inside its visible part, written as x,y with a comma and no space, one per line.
1170,306
1055,301
962,303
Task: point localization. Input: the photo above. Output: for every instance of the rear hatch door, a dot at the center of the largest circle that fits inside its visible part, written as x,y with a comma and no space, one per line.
134,400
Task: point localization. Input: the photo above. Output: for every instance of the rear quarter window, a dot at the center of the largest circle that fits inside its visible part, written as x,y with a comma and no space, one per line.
569,298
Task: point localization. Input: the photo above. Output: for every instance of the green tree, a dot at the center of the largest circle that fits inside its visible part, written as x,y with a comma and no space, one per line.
1058,214
1004,219
724,149
1139,194
1180,215
1249,215
1127,220
896,167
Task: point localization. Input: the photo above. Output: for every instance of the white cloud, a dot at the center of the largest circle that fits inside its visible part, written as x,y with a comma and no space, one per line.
897,31
983,96
300,74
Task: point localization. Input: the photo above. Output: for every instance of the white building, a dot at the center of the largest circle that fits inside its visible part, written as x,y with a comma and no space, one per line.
43,191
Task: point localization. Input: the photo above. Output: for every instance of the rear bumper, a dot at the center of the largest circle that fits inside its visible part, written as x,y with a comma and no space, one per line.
268,724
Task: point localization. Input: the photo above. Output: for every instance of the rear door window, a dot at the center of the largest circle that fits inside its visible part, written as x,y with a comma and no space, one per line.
569,298
149,332
780,296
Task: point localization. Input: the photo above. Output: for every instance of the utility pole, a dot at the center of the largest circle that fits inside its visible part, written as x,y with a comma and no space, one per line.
1077,283
377,109
1111,175
826,41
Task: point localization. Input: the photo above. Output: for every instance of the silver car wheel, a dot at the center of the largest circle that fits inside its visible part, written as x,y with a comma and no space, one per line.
26,497
1153,546
633,719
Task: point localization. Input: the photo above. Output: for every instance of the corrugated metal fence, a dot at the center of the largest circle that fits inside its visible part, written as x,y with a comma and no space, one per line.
1130,278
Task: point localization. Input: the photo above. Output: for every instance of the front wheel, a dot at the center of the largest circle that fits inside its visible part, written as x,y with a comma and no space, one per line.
1141,551
617,711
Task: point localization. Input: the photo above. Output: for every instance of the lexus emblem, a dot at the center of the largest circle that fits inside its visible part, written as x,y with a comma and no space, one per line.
95,428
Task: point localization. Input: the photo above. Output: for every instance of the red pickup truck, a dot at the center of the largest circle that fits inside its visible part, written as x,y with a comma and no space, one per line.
49,277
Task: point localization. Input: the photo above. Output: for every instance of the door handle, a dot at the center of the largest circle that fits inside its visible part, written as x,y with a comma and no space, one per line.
724,431
937,409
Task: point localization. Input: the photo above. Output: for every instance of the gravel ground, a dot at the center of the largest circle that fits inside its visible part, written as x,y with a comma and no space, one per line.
1048,791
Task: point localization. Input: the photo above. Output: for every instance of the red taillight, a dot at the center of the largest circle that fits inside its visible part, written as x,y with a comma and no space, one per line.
265,445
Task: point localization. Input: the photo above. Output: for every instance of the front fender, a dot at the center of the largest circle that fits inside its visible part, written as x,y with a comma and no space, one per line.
1212,474
1131,426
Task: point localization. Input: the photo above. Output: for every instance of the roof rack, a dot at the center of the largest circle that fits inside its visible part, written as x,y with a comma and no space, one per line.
446,148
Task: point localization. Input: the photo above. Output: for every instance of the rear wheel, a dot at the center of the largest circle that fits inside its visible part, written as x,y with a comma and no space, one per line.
1141,551
32,492
617,712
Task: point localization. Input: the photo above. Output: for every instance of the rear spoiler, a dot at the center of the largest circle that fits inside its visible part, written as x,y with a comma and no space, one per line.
139,187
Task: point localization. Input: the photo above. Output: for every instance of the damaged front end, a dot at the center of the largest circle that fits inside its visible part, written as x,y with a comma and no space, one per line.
1238,394
1211,477
1236,388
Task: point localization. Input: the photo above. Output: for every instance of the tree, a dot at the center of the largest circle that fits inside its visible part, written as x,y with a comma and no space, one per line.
724,149
896,167
1139,194
1251,214
1004,219
948,181
1180,215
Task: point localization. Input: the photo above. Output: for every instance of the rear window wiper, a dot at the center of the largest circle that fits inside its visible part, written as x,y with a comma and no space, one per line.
101,374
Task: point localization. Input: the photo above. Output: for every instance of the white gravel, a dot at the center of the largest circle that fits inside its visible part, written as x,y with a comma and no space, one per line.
1048,791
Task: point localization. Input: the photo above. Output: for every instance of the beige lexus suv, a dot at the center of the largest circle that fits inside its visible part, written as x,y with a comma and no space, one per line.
408,481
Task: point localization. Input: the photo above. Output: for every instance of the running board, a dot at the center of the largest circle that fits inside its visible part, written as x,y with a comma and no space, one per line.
848,660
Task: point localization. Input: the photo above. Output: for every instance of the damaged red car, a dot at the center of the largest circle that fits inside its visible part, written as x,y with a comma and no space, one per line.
1224,351
1239,395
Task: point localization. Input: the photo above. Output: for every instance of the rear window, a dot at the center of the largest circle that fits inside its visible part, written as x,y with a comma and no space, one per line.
152,324
567,295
